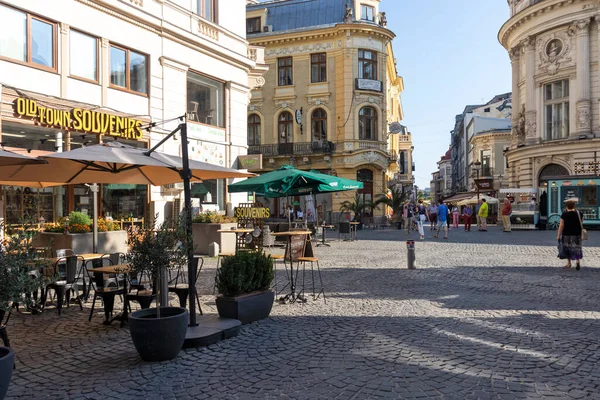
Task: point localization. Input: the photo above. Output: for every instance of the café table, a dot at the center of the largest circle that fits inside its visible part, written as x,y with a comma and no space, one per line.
289,252
109,305
237,231
324,227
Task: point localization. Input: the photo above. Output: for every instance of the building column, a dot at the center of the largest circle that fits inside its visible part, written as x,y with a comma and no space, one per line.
583,118
104,73
64,58
517,113
530,123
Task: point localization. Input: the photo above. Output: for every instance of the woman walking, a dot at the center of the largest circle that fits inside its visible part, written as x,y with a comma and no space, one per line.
455,216
569,233
422,213
467,213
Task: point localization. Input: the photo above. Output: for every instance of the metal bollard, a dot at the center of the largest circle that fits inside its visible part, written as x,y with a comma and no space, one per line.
410,254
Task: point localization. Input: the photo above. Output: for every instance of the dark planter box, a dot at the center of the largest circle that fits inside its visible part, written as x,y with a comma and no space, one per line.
7,362
246,308
158,339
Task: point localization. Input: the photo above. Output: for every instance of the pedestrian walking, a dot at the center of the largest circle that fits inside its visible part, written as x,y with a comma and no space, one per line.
506,211
477,207
455,216
467,214
483,214
570,232
422,213
442,218
408,214
448,216
432,215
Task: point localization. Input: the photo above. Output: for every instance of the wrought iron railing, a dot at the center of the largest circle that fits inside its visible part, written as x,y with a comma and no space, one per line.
288,149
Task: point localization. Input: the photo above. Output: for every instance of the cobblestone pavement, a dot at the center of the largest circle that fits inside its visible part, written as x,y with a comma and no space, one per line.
485,316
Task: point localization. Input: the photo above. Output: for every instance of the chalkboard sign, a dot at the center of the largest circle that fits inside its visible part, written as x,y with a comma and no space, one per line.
569,193
298,242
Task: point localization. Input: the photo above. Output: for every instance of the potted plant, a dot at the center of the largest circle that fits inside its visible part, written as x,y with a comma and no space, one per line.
19,275
205,227
358,207
157,333
243,281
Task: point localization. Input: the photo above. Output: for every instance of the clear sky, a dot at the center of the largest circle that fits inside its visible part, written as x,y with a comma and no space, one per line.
448,53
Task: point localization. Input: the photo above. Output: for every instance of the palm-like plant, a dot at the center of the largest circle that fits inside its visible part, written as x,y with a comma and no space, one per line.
394,202
356,205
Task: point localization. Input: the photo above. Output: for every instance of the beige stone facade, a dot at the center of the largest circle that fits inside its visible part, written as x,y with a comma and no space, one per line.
316,111
554,48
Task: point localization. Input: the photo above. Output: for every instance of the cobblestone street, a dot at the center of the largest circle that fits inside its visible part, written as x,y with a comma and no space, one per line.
485,316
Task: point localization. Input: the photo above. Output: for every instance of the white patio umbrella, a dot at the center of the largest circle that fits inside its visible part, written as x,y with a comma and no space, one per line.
473,200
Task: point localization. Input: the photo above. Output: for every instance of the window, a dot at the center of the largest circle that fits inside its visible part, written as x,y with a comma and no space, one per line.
128,70
403,162
367,13
253,130
84,56
486,169
285,71
285,127
556,104
253,25
211,195
26,38
367,124
207,9
319,125
318,64
205,100
367,64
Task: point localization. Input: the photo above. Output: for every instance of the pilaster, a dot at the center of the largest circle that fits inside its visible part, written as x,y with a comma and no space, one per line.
517,115
64,58
105,70
528,46
583,115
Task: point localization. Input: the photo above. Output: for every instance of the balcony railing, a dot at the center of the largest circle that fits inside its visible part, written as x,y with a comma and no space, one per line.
288,149
485,172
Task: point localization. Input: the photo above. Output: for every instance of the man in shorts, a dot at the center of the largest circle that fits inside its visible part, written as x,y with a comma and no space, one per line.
442,217
432,215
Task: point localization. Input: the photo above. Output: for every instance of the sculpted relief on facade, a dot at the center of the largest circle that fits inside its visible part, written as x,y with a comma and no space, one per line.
306,48
555,51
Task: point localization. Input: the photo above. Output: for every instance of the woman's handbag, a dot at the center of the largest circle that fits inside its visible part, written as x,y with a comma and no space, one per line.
562,254
583,231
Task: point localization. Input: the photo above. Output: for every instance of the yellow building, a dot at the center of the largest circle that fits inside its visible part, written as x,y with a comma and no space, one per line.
330,95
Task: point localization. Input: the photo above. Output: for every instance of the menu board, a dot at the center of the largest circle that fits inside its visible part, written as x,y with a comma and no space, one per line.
297,247
570,192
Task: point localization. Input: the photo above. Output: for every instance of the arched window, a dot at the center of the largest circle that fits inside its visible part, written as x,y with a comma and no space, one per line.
253,130
367,123
366,177
319,125
285,127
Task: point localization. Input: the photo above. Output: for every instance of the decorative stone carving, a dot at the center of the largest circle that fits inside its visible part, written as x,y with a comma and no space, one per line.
382,19
347,14
583,116
581,26
284,104
252,54
306,48
528,44
260,82
370,157
316,101
138,2
530,124
519,125
555,51
207,30
515,53
64,28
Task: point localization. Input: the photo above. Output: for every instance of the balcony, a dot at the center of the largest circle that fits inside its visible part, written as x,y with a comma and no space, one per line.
288,149
484,172
404,138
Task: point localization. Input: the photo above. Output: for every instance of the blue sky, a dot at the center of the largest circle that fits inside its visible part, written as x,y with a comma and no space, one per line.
449,56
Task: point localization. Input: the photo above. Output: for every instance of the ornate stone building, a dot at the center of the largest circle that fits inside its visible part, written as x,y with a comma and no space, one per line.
331,98
554,51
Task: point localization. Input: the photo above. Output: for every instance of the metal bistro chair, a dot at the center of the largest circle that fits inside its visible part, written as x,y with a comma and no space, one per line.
67,282
107,289
312,260
180,286
138,291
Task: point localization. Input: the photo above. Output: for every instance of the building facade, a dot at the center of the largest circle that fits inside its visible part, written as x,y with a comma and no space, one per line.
554,51
331,98
68,66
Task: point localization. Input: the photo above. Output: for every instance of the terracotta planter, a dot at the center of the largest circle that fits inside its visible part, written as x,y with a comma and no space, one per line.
7,363
246,308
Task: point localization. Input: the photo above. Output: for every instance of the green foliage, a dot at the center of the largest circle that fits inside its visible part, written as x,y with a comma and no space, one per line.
19,269
395,202
245,272
356,205
212,217
79,218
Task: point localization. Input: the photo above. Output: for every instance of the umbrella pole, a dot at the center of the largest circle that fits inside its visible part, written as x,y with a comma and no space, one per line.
94,188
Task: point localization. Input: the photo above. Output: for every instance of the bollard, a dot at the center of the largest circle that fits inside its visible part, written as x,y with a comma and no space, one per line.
213,249
410,254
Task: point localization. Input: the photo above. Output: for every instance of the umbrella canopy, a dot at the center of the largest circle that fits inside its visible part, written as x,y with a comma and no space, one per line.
114,162
473,200
8,158
288,181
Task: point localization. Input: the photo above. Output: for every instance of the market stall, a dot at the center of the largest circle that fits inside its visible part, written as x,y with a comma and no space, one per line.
525,210
586,189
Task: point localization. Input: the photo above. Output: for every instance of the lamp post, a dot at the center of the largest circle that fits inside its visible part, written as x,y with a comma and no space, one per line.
477,165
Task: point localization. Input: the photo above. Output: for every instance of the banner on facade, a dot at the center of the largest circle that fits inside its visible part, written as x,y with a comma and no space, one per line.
252,162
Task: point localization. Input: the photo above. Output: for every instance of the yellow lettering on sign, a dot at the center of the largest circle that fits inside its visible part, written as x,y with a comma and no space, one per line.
77,119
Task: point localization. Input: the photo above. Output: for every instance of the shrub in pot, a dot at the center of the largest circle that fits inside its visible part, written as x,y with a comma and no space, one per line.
158,333
244,282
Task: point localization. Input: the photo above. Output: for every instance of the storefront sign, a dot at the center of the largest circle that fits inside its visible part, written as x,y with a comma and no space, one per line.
252,162
368,84
251,212
484,184
80,120
587,168
206,133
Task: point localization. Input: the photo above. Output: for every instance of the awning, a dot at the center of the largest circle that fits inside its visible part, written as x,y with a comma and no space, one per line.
459,197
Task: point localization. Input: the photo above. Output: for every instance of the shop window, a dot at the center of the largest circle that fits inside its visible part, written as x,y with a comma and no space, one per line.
253,25
367,13
367,64
205,99
27,38
207,9
285,71
367,124
128,70
285,127
31,205
589,196
83,56
319,125
124,201
253,130
318,66
210,195
556,107
32,137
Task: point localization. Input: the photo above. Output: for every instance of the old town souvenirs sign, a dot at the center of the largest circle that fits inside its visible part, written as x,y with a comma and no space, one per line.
80,120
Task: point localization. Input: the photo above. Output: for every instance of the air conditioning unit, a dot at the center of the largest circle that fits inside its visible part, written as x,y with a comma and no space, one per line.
268,28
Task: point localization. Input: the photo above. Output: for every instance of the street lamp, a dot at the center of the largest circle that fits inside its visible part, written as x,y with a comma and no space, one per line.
477,165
